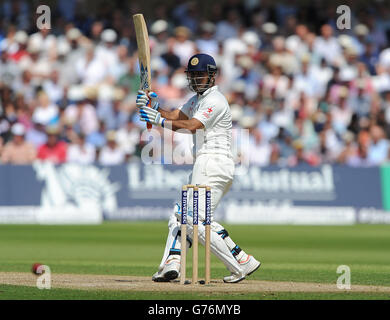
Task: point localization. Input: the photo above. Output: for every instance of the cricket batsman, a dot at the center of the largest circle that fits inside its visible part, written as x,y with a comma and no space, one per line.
207,116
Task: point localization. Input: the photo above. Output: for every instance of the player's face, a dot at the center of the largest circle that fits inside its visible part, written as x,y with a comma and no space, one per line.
199,81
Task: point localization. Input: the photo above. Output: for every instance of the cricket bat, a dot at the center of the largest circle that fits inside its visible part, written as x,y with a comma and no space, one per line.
142,36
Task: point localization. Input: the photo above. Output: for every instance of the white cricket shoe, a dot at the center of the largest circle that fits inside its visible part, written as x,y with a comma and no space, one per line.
171,268
159,277
249,264
234,278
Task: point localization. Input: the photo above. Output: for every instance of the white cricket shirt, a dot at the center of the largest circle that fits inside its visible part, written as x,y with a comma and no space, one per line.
212,109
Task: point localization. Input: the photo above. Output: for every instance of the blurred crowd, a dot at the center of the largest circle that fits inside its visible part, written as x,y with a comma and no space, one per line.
307,92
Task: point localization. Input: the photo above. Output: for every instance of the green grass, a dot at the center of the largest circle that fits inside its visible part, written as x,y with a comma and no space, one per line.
8,292
288,253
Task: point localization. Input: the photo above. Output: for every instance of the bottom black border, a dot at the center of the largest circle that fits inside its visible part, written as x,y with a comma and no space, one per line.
197,309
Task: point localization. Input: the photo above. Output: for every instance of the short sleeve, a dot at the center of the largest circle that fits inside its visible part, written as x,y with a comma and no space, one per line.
208,113
186,108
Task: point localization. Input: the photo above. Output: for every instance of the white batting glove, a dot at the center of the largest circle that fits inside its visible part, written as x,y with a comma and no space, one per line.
152,116
150,100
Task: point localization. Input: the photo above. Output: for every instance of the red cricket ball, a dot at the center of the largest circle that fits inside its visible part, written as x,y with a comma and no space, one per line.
34,268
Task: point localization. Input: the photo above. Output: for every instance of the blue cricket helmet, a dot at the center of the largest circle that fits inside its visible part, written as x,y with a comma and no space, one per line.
202,62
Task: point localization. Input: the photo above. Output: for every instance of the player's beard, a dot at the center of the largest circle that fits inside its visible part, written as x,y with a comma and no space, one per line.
198,84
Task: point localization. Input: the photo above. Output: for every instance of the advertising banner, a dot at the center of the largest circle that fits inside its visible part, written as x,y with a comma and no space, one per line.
72,193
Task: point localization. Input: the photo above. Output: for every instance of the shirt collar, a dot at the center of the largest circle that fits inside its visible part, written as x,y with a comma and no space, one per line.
208,91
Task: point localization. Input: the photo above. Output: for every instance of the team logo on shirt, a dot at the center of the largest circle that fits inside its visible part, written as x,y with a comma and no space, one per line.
194,61
209,111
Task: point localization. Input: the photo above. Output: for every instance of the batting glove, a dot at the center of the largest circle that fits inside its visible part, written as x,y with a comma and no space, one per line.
144,100
152,116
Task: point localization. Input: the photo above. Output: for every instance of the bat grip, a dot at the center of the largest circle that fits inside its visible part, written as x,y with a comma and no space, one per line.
148,125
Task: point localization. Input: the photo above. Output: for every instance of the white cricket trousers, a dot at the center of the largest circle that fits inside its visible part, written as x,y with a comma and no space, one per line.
215,171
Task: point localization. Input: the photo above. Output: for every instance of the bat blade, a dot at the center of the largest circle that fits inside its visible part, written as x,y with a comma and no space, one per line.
141,32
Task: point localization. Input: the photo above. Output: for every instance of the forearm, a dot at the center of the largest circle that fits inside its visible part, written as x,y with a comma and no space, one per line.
187,126
169,115
172,120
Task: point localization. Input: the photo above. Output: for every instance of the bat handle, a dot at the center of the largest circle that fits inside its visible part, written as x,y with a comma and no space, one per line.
148,125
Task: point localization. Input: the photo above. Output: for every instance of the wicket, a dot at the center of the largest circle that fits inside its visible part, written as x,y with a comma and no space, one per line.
195,220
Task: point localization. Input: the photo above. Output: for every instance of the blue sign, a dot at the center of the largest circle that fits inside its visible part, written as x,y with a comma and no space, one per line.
149,192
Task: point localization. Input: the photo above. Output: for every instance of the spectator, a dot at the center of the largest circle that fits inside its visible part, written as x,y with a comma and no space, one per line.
296,42
284,146
327,46
70,52
361,31
81,152
111,154
206,42
379,148
46,112
111,109
249,76
21,39
275,81
369,57
25,86
128,137
37,134
185,14
96,31
53,150
36,62
106,51
283,58
302,157
305,80
183,47
292,81
8,69
98,138
89,69
267,127
260,150
119,69
159,37
360,159
228,28
80,113
53,88
341,112
18,151
349,150
44,40
170,58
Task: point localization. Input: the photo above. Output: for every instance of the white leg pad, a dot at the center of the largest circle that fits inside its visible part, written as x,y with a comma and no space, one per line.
172,240
217,246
